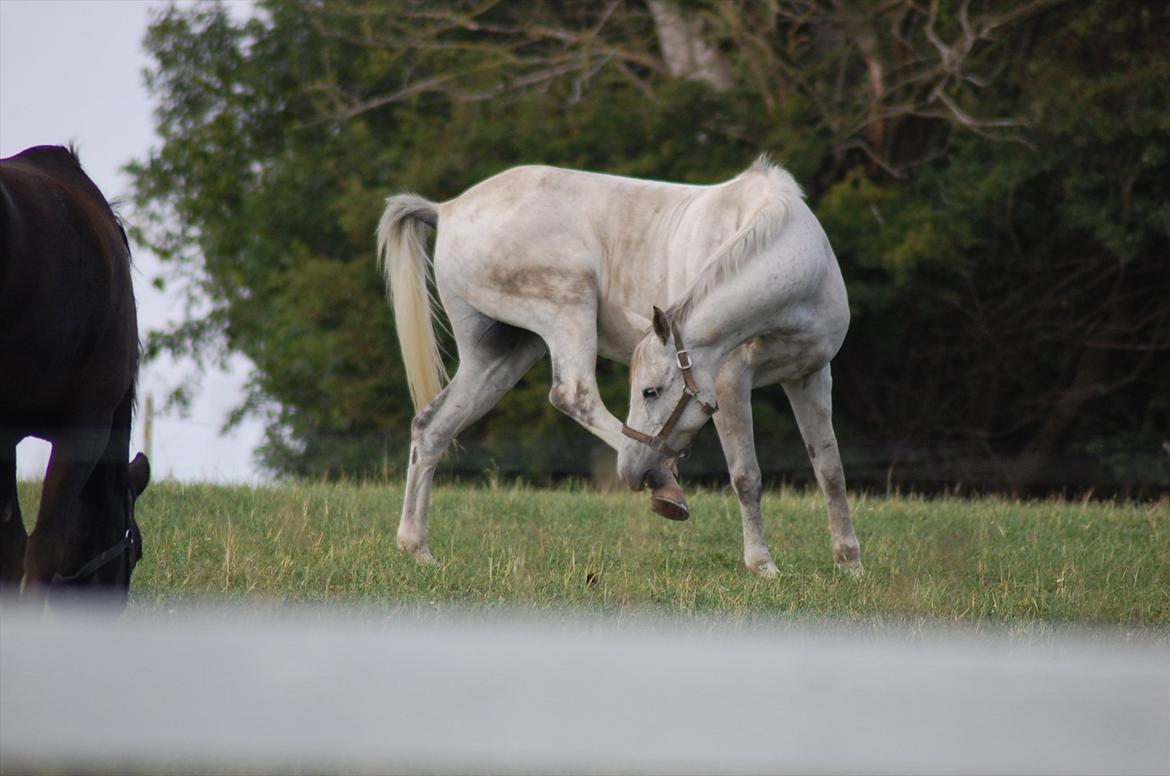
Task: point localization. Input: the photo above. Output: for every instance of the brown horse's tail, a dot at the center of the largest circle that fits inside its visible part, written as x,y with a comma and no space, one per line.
406,267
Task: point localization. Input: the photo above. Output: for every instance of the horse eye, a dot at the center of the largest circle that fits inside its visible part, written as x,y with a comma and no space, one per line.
650,393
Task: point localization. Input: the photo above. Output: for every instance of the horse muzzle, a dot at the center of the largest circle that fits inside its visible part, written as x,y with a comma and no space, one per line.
666,497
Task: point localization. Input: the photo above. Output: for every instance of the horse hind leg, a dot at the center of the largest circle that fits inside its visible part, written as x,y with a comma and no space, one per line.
493,358
13,536
812,405
733,388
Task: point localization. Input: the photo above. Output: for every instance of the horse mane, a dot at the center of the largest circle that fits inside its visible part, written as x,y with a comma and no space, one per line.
761,229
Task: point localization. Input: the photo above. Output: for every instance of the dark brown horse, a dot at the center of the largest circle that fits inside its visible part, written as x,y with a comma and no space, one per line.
69,357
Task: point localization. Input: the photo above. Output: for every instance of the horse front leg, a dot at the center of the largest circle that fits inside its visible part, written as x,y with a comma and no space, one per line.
13,536
733,388
812,404
574,392
75,453
574,386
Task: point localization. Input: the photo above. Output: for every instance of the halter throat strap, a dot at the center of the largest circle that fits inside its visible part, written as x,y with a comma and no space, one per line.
658,443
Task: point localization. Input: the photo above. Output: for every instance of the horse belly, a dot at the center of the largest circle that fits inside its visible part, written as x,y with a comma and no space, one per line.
38,390
516,267
63,359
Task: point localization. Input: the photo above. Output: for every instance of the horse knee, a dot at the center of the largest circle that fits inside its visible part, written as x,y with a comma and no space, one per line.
574,399
832,479
827,465
748,486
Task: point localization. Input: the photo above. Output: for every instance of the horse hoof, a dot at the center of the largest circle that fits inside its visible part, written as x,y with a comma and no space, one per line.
847,556
852,569
668,501
420,552
426,559
765,568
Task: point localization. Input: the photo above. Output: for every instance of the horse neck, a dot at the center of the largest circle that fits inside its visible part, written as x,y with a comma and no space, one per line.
793,285
645,261
722,321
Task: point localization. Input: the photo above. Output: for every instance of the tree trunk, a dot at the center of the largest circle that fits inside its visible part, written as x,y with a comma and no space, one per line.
687,54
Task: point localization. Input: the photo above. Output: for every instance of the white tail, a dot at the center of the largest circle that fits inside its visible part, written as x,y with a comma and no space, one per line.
402,255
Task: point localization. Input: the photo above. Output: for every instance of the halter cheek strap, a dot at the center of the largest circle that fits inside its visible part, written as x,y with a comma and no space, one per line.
123,545
658,443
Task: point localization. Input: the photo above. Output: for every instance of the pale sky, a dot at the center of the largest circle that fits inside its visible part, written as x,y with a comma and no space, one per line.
71,71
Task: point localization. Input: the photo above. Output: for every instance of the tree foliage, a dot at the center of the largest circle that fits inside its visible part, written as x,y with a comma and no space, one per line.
993,176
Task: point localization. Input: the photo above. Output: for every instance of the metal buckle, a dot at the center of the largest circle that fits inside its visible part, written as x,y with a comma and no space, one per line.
659,445
682,355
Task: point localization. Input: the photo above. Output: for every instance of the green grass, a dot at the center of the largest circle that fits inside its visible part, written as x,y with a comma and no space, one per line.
988,561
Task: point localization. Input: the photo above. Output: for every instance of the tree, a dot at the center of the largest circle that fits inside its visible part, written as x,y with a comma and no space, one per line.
992,176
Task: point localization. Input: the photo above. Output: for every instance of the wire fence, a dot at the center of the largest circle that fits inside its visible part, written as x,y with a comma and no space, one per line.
872,464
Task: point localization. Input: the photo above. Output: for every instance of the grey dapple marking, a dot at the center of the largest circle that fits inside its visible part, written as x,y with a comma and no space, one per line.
541,260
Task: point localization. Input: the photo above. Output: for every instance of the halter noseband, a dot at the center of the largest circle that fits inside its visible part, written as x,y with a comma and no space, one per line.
658,443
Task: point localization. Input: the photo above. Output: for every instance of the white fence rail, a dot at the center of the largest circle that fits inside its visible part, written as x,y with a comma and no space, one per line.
318,691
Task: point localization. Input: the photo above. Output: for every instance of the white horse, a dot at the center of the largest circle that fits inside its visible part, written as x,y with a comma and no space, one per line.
542,260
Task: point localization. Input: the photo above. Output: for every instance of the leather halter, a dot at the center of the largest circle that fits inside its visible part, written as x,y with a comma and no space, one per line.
658,443
125,545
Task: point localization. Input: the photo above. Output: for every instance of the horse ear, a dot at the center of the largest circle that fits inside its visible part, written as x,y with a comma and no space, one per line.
661,325
138,474
639,322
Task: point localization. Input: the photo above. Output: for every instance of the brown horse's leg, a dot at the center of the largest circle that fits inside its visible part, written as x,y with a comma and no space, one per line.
74,456
13,536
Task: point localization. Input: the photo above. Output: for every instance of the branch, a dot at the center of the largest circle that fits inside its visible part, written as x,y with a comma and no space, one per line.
970,122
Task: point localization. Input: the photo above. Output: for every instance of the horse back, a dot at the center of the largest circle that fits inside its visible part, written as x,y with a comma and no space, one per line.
69,340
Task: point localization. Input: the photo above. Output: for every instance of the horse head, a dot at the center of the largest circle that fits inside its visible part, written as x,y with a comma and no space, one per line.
671,397
109,544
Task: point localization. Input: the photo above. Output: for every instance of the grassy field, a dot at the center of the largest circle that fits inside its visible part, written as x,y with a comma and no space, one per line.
986,561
